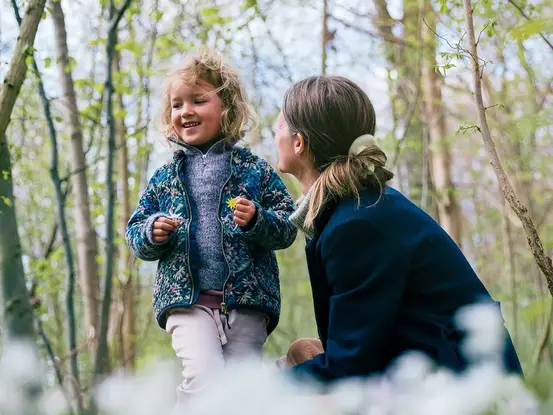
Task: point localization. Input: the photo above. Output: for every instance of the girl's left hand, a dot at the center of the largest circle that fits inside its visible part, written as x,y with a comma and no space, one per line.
244,211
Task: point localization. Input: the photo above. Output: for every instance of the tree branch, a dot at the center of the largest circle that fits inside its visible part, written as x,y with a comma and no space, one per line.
533,238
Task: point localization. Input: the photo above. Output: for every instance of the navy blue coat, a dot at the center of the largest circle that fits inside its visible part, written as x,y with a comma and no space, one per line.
387,279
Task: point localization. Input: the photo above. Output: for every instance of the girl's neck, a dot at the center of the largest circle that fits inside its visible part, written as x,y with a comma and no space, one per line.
204,148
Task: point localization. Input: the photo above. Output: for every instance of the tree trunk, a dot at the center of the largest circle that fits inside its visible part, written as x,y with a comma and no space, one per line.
16,308
405,89
60,207
324,37
536,246
449,213
102,354
128,330
87,249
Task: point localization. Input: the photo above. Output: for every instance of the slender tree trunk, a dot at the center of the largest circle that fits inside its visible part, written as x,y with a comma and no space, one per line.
87,249
15,305
128,329
60,206
509,251
102,355
324,37
449,212
405,89
536,246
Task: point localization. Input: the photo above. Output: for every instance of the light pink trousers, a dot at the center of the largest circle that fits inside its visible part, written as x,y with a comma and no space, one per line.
205,340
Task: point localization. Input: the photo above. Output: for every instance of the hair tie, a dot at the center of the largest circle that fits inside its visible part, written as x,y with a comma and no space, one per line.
361,143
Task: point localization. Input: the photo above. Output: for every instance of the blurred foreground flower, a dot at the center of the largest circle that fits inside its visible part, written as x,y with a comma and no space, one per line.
412,386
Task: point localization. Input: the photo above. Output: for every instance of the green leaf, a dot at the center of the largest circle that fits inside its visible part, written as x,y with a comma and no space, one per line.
82,82
443,6
7,201
98,42
29,60
47,62
210,11
157,15
72,63
249,4
5,174
531,28
131,45
119,114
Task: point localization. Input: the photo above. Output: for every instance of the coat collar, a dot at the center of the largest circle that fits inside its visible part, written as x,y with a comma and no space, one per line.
186,149
298,217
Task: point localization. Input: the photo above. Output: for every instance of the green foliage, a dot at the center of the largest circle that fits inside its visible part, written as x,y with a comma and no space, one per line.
6,200
531,28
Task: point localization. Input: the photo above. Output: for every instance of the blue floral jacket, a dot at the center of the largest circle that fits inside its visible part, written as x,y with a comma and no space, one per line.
253,278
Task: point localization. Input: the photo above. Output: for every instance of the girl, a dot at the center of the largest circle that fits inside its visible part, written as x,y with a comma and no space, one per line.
213,217
385,277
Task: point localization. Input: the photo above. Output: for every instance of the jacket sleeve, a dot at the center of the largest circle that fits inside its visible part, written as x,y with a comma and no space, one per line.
366,273
139,228
272,228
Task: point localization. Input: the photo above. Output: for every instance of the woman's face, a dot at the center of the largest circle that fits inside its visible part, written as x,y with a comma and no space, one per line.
288,148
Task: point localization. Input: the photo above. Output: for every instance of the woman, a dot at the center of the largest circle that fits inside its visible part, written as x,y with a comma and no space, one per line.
385,277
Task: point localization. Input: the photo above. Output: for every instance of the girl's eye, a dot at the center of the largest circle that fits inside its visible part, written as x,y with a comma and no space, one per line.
176,105
199,101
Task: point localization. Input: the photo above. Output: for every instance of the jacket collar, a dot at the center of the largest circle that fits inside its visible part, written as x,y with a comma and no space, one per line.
302,207
187,150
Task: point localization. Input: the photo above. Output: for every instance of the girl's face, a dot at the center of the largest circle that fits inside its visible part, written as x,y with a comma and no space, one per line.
195,112
289,147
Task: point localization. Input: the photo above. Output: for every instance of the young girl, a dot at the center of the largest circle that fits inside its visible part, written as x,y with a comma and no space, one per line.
213,217
385,277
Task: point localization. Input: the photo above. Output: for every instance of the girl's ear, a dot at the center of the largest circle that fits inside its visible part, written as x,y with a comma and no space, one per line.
299,144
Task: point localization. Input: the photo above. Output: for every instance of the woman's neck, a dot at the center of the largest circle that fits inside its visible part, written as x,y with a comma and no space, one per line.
307,178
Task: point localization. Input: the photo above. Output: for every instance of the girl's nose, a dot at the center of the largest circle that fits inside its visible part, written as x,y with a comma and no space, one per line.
187,109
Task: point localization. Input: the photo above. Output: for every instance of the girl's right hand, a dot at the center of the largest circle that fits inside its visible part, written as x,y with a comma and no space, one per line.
162,227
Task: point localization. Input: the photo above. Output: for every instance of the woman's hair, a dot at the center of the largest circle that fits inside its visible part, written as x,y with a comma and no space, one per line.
208,65
330,112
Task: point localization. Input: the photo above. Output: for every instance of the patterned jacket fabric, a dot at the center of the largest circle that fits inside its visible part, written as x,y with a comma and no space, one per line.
253,278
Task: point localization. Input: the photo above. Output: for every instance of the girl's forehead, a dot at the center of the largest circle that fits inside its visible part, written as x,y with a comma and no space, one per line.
200,87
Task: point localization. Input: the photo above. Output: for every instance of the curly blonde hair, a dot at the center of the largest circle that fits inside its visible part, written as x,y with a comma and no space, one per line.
208,65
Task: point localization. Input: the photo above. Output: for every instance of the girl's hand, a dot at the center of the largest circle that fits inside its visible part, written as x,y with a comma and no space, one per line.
244,211
162,227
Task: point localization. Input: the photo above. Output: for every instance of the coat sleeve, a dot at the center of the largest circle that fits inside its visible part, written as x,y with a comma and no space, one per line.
366,272
272,228
139,228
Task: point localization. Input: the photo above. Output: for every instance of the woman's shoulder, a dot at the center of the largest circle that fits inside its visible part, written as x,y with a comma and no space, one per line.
391,213
371,204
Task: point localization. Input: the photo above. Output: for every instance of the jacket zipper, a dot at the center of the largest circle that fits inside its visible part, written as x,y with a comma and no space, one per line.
223,304
187,231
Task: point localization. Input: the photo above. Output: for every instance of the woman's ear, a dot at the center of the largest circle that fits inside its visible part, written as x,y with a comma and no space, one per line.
299,144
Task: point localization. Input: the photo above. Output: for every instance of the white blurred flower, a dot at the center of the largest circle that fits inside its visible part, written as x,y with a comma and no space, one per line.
20,378
485,331
152,392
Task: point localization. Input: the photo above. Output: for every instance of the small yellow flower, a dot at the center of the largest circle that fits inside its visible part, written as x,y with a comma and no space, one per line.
231,203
